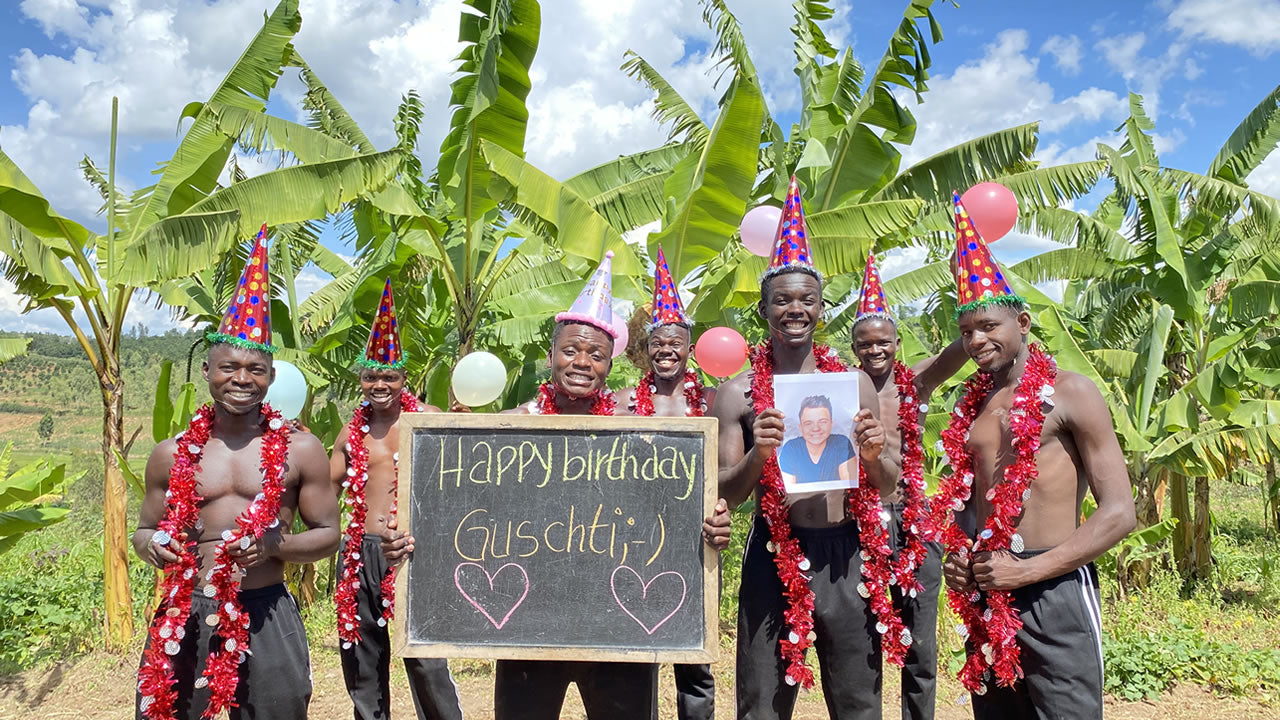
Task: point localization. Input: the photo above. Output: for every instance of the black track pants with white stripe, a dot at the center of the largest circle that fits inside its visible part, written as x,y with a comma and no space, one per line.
1061,642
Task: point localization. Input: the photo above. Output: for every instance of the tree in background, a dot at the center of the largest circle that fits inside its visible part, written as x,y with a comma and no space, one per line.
45,428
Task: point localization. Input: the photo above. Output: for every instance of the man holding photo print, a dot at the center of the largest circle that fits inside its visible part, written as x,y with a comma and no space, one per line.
802,569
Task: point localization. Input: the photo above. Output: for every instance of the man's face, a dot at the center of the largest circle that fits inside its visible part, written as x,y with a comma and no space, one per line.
580,358
669,351
815,425
875,342
792,303
993,336
238,377
381,387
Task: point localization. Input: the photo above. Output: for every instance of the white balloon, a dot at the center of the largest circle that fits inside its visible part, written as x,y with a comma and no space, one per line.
288,392
478,379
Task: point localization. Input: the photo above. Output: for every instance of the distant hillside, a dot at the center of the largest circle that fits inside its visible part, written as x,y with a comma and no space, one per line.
54,376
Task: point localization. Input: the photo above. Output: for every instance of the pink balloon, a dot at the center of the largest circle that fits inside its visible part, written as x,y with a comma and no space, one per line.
993,209
624,336
721,351
758,228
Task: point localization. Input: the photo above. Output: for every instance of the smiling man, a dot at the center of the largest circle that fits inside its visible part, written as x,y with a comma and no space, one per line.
670,389
801,570
903,394
580,358
1026,442
220,500
363,471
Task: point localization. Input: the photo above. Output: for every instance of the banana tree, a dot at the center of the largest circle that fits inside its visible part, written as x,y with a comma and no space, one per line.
173,229
27,496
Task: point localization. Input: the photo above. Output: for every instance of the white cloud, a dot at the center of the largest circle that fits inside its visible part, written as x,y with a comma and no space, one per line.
996,91
1251,24
1065,51
1191,70
1266,177
1142,74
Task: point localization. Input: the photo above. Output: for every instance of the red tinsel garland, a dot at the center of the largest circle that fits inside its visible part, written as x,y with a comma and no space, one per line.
693,397
156,680
915,518
992,631
344,597
863,504
545,404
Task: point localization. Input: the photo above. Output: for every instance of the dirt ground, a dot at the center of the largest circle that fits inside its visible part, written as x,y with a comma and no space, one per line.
100,687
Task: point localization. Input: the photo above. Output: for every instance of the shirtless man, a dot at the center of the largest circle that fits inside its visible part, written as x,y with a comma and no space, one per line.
1045,565
876,343
373,544
231,475
844,634
670,389
581,356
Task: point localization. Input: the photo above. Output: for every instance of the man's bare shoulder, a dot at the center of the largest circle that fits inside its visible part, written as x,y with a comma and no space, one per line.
303,442
1080,397
626,401
731,396
521,409
428,408
161,456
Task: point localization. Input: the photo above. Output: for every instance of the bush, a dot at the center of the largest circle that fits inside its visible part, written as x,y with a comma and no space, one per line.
1141,665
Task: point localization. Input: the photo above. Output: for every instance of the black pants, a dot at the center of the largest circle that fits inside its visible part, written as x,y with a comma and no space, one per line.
695,692
920,616
535,689
847,644
366,666
1061,643
275,680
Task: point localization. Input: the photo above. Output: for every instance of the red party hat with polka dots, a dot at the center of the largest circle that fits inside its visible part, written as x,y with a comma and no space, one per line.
979,281
383,351
667,308
791,242
871,302
247,322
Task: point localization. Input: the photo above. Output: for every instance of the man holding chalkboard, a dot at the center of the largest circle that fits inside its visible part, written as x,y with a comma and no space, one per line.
580,357
802,569
364,472
671,389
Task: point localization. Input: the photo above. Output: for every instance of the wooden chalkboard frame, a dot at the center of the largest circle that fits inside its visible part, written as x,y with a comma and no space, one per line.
706,427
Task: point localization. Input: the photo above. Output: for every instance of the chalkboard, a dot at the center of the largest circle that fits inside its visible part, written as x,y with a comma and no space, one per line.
557,537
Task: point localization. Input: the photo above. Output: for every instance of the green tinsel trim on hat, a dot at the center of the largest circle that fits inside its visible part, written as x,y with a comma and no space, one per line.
1014,301
375,365
217,337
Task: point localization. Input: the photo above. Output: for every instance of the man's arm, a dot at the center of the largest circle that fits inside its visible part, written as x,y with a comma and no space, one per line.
338,462
153,508
1089,420
869,434
317,506
740,468
933,371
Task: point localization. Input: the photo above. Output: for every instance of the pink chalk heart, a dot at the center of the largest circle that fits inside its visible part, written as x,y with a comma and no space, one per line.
466,575
651,607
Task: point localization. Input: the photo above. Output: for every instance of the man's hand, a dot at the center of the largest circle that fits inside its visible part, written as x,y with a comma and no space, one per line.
766,432
870,436
396,546
157,553
958,572
257,552
716,529
1000,570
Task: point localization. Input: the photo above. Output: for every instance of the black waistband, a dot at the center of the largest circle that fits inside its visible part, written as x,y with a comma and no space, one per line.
373,537
846,529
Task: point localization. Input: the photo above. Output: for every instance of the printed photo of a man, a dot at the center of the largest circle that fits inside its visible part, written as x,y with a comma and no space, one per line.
816,456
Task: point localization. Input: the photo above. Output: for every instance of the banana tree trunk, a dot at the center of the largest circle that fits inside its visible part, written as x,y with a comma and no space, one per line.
1180,507
1202,530
1272,493
115,507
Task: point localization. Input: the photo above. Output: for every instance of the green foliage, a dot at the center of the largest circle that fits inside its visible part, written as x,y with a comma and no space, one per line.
45,429
28,495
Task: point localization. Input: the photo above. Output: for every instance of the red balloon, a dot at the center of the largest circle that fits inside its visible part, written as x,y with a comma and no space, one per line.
721,351
993,209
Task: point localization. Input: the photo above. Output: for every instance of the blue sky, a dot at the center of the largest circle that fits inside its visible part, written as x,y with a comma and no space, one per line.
1201,64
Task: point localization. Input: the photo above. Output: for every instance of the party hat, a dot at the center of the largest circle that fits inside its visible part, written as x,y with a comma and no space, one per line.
383,351
791,243
667,308
247,322
979,281
871,302
594,305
